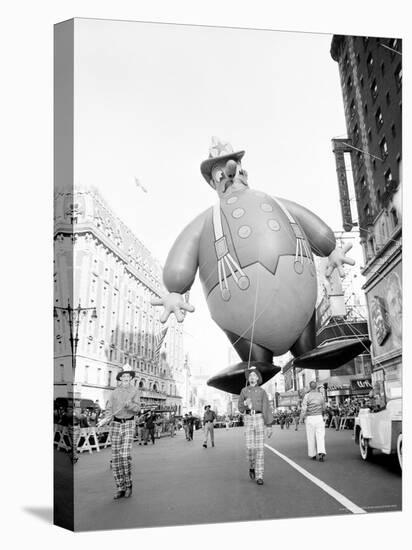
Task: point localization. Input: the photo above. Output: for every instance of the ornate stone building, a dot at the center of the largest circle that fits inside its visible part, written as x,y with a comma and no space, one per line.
100,263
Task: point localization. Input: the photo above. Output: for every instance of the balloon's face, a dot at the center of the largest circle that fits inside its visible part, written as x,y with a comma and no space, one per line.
229,177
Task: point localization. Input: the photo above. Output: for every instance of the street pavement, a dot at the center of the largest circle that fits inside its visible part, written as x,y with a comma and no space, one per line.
176,482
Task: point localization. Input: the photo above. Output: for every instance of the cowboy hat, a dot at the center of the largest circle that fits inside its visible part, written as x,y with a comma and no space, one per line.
126,370
219,152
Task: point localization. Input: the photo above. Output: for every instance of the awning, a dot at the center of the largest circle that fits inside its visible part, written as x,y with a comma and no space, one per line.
337,383
348,385
361,386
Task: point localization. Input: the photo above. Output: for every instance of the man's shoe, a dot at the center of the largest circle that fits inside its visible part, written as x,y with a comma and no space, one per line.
259,481
313,457
205,445
145,443
128,492
321,457
252,473
119,494
213,444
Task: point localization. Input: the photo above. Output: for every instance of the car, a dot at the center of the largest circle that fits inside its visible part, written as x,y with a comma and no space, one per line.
380,430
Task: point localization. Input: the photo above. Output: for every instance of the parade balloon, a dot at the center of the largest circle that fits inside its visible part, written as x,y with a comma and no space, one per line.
254,253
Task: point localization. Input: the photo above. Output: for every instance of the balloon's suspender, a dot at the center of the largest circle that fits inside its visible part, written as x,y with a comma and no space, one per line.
225,259
301,244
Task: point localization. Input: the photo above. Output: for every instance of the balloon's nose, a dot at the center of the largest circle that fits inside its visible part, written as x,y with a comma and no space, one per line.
230,169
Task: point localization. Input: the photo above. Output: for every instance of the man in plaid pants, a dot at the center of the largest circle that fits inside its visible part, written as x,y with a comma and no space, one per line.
254,403
123,405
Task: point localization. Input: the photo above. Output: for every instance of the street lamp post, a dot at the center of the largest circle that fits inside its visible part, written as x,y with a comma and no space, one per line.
73,316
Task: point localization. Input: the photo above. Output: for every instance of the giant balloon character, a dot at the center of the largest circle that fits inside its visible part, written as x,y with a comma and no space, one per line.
254,256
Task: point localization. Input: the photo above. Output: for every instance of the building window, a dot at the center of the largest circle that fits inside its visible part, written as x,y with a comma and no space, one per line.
379,119
352,109
374,90
382,68
369,63
346,62
398,76
365,40
109,378
361,81
371,246
369,135
374,164
394,217
363,183
388,177
349,84
86,374
383,234
356,133
393,129
61,373
393,44
384,148
366,109
388,98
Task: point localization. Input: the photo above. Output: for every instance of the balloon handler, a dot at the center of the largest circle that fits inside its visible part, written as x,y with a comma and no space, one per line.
254,253
254,404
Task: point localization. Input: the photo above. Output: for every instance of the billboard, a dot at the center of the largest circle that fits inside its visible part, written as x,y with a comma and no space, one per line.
385,311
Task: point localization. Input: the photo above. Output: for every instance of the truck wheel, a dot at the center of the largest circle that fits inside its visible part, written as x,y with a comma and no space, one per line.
365,450
399,450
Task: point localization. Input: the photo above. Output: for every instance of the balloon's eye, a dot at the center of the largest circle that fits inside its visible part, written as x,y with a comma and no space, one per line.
218,176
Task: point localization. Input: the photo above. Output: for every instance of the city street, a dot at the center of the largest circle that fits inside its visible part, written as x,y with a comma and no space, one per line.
178,482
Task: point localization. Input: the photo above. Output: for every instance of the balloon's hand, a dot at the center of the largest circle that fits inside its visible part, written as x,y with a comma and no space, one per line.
336,260
173,303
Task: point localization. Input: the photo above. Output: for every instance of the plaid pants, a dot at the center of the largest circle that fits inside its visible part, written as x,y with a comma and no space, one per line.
208,429
122,439
255,436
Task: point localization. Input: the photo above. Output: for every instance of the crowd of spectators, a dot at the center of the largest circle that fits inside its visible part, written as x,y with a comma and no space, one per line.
349,409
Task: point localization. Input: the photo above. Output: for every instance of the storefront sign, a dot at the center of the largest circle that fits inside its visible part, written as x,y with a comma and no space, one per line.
288,399
361,385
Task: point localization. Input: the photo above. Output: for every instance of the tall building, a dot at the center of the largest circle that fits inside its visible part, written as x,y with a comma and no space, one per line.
371,79
100,263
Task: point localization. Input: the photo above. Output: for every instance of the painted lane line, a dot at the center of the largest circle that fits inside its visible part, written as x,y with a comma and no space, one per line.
351,506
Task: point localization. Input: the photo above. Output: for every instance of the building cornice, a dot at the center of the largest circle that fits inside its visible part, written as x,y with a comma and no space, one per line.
85,229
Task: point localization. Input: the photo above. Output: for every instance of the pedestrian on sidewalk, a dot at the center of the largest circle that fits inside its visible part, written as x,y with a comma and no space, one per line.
227,421
140,426
150,428
186,427
172,424
313,406
254,403
123,404
71,419
158,426
208,426
190,423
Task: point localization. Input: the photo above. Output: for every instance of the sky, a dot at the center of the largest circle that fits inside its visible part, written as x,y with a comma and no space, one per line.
148,99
